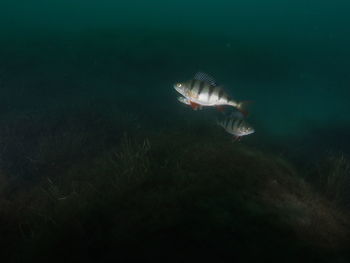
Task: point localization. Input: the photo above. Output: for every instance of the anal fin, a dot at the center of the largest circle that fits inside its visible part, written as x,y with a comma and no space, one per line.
237,138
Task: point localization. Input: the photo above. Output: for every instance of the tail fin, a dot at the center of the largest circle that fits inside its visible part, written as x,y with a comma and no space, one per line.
243,107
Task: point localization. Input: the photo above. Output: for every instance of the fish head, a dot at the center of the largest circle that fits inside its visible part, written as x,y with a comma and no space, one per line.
244,130
181,88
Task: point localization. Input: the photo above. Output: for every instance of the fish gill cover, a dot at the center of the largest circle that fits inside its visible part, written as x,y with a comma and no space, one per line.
101,161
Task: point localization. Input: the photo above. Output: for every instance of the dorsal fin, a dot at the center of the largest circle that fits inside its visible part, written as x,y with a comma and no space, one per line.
206,78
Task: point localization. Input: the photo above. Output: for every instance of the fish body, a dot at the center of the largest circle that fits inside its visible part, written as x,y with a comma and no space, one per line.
203,90
236,125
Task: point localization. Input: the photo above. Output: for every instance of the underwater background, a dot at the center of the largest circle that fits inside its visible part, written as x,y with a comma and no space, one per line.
100,162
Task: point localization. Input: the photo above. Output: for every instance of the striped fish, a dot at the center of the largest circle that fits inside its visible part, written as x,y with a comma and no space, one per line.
203,90
236,125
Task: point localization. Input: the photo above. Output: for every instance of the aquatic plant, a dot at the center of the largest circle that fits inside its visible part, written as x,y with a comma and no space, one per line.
334,178
3,182
147,190
130,161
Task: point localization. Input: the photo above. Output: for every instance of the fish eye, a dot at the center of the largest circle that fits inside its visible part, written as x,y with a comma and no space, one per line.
179,85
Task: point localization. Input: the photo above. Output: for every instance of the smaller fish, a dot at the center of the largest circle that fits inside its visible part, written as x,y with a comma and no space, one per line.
187,102
236,125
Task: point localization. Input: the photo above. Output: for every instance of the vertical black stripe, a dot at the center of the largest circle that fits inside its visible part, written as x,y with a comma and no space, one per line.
221,93
240,124
192,84
201,87
227,123
211,89
233,122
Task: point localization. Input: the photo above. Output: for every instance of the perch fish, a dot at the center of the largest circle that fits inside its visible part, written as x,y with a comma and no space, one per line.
203,90
236,125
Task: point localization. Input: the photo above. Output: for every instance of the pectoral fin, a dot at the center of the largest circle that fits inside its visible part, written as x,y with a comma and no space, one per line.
194,105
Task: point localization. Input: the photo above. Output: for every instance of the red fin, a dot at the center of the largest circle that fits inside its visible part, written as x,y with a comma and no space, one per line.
237,138
194,106
220,108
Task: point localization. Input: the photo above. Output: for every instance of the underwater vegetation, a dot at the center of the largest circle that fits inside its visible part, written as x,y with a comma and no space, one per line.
334,178
103,189
99,162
